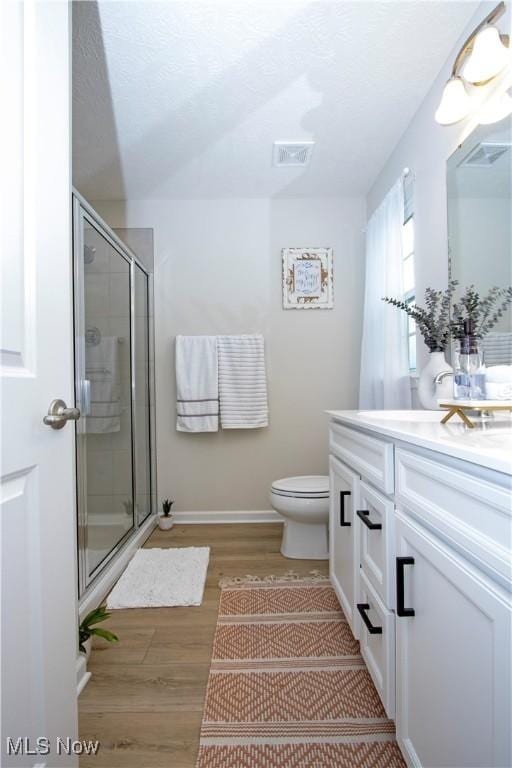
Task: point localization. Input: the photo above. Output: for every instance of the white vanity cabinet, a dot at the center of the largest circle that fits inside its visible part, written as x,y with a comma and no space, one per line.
453,658
343,564
432,583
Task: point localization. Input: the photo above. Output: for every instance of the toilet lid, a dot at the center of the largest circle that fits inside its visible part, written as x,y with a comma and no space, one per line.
307,486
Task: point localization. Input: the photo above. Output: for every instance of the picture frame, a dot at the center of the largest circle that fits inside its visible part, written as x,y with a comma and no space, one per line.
307,275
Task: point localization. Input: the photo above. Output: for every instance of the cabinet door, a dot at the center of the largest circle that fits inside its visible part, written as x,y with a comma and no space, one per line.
343,538
453,661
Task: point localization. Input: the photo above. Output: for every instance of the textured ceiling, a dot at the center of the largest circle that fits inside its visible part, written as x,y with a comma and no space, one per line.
185,98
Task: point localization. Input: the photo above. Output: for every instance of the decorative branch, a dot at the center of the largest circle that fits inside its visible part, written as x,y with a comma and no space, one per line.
434,321
443,319
484,311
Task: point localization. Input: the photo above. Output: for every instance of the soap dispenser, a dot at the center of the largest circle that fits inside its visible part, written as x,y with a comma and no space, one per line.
469,377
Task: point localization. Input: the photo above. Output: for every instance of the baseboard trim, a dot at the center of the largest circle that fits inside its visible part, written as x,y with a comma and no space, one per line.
82,675
215,516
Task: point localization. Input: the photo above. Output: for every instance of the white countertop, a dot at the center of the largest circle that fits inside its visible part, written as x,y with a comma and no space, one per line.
489,444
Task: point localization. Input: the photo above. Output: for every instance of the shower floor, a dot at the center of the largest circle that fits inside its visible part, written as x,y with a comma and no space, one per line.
145,699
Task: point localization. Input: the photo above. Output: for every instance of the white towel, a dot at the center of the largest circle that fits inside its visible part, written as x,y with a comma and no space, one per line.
498,391
497,348
197,388
242,382
102,371
499,374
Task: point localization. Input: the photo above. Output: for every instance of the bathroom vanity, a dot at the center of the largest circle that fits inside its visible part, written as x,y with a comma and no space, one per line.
420,558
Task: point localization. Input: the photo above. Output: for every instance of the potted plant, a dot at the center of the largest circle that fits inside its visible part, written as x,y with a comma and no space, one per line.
165,521
440,322
484,311
433,322
87,629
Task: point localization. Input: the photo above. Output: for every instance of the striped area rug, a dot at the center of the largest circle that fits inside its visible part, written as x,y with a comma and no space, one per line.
288,687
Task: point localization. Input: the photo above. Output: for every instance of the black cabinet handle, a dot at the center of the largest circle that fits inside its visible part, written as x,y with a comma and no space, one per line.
343,522
401,562
364,515
362,608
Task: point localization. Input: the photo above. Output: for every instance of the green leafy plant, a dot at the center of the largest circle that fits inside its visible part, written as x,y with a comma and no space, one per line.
87,628
484,311
167,507
433,321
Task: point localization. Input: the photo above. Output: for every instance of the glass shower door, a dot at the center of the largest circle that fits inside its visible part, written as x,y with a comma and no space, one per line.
103,346
142,410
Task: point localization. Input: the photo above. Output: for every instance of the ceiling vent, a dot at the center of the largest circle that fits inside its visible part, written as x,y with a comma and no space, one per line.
483,155
292,153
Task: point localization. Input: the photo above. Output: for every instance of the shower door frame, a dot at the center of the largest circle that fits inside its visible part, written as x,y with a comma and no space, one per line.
83,211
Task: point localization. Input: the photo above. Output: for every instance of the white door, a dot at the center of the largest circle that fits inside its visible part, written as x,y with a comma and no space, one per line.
344,539
453,661
37,518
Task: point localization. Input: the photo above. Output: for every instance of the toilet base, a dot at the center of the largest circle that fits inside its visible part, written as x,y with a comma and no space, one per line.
305,541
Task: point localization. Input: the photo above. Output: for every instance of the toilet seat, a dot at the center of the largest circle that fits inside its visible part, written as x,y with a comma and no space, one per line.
303,487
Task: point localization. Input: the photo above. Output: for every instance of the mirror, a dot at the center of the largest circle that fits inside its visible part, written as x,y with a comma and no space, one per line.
479,187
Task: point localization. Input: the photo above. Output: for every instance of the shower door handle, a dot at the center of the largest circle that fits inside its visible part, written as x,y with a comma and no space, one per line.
86,397
58,414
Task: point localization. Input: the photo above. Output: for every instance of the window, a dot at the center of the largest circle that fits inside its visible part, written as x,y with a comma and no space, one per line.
408,265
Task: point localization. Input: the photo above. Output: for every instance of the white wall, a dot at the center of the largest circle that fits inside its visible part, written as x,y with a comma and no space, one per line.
480,230
480,240
218,270
424,148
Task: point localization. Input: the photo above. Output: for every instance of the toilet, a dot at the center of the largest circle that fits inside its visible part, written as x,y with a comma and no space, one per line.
303,502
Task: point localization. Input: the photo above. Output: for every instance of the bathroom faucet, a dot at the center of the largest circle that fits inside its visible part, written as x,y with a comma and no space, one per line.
441,376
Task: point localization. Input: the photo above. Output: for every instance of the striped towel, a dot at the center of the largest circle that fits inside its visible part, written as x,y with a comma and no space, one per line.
197,393
102,373
497,348
242,382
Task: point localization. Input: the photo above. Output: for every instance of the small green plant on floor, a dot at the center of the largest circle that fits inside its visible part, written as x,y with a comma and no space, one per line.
87,628
167,507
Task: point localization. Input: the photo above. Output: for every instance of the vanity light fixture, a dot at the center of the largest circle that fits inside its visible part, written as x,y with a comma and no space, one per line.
482,57
495,109
488,57
455,102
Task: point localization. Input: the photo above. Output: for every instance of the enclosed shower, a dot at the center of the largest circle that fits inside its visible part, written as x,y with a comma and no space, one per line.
115,473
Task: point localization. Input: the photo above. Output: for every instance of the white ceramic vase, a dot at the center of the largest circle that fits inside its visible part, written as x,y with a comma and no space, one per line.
165,523
428,391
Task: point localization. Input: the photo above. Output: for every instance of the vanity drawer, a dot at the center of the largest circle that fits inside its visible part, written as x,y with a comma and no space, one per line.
378,647
376,522
369,456
470,512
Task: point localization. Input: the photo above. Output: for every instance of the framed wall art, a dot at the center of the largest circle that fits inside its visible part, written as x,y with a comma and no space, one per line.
307,278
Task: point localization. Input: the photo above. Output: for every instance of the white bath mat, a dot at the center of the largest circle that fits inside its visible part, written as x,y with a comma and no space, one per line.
156,578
